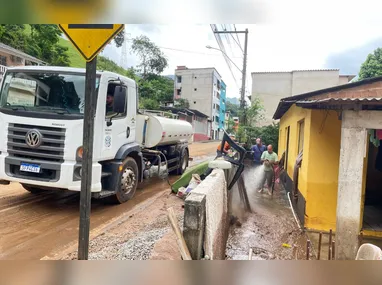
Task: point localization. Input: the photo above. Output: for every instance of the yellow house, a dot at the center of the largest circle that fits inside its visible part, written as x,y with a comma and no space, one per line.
339,183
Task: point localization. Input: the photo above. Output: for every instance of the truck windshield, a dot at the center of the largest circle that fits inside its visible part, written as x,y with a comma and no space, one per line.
44,92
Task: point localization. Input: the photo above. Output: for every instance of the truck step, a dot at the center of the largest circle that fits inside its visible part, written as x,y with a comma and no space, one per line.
103,194
105,174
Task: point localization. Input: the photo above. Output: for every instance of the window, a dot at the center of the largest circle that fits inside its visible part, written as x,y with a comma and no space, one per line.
178,92
3,60
301,125
110,101
179,79
45,92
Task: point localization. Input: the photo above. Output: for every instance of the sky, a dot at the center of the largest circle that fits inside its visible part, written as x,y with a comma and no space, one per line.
330,35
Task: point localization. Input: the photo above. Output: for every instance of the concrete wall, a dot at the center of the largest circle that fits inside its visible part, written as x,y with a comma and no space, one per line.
352,179
323,167
306,81
211,231
202,80
199,87
291,119
271,87
318,175
9,60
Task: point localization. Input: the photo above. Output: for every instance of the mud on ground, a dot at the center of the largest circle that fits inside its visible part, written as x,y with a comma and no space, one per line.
270,225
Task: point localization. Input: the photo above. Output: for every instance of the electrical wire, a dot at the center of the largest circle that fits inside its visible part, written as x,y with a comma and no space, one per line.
189,51
237,36
221,46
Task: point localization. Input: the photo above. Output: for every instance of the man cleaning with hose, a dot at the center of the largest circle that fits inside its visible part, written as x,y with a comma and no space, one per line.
269,160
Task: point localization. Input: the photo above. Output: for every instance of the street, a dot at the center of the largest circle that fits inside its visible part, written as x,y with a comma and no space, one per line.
46,225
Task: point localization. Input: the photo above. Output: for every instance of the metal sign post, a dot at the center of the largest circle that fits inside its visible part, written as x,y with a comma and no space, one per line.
89,40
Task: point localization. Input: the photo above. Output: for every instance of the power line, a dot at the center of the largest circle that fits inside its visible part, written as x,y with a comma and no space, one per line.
237,36
187,51
237,42
222,48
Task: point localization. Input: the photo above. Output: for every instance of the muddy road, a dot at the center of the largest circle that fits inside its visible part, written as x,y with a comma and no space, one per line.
41,226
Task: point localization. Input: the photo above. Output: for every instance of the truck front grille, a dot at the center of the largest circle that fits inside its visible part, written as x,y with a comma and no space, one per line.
51,148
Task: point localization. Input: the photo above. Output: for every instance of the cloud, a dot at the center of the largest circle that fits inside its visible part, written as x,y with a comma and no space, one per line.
349,61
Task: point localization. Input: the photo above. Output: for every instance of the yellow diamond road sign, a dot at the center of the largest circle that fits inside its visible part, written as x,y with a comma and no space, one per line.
89,39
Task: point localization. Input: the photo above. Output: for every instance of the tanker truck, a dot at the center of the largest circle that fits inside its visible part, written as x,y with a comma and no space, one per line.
41,123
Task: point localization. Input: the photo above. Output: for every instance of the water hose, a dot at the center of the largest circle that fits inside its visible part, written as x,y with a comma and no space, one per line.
294,215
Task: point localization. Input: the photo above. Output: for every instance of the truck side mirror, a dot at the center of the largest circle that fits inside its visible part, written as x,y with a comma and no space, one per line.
119,104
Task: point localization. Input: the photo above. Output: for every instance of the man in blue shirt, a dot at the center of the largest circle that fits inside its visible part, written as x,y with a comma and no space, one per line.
258,150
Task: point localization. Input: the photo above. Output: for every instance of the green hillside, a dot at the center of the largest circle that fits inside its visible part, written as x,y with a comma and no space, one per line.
75,58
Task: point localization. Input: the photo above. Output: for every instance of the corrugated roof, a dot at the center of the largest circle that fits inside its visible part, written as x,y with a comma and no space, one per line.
287,102
16,52
331,100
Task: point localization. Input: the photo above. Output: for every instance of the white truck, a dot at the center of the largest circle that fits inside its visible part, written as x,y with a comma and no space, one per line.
41,123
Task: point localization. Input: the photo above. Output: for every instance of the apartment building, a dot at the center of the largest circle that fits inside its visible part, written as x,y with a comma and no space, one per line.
271,87
205,91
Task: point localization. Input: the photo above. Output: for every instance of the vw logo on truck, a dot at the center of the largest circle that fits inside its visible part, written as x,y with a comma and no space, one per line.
33,138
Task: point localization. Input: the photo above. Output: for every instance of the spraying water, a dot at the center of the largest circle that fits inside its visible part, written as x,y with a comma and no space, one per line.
253,177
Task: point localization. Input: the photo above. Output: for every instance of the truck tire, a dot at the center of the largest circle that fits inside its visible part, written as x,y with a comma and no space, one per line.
128,182
32,189
183,162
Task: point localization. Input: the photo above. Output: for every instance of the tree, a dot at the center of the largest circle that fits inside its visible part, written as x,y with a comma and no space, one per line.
152,59
104,63
230,126
372,67
42,41
255,112
149,104
13,35
119,38
60,56
182,103
268,134
232,108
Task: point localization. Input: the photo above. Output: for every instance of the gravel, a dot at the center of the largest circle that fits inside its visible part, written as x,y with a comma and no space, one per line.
136,248
133,246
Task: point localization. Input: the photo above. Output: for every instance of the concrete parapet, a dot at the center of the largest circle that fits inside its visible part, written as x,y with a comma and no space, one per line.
206,219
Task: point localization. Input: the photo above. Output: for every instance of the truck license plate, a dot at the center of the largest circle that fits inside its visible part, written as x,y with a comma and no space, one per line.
30,167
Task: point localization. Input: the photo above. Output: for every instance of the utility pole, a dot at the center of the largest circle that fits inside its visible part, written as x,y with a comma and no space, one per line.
243,71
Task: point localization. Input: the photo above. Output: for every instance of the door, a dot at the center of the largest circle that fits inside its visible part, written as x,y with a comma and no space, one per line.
119,128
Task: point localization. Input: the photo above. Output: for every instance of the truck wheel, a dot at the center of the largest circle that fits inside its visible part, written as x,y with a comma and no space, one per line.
183,162
31,189
128,183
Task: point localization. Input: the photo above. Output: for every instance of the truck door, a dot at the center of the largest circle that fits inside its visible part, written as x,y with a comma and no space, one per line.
121,128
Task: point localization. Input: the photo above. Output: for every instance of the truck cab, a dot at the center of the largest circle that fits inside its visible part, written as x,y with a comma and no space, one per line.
41,119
